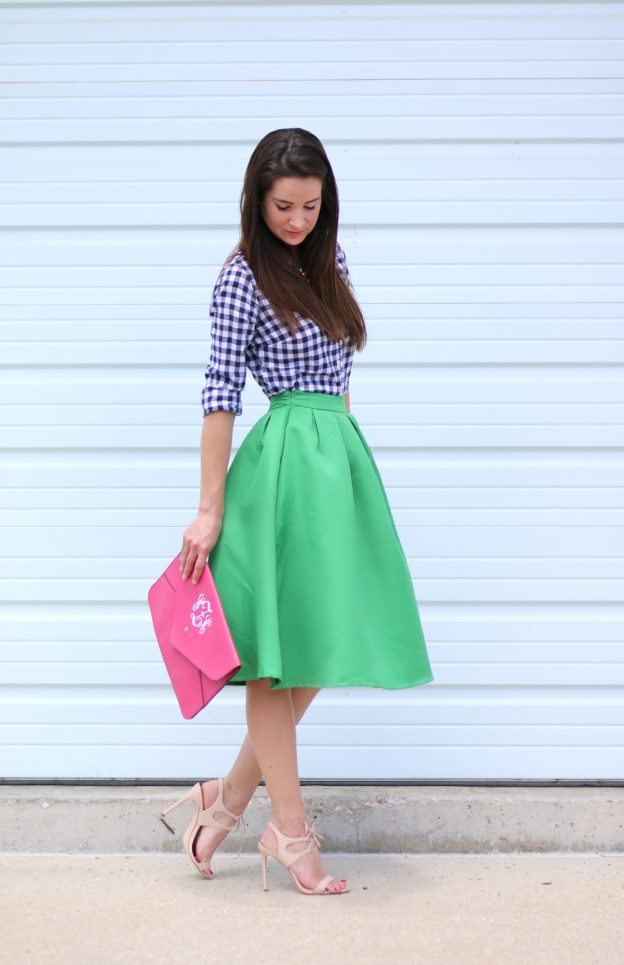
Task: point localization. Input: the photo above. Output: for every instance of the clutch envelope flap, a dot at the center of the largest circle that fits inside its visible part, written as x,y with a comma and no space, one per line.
199,629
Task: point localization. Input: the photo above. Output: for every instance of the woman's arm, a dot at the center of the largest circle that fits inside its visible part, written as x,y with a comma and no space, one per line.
216,445
347,403
202,534
234,312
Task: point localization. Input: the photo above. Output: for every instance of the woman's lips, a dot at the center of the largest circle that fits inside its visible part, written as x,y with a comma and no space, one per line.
294,232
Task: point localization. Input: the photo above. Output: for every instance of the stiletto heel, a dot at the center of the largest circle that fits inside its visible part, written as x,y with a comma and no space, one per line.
204,817
264,855
187,797
287,858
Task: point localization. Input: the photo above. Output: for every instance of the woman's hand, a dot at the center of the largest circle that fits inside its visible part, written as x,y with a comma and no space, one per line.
198,540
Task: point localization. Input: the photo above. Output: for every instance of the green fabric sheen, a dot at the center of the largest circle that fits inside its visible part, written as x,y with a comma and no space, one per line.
309,566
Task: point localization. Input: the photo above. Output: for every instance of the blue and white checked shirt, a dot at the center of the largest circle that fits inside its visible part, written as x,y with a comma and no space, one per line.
245,334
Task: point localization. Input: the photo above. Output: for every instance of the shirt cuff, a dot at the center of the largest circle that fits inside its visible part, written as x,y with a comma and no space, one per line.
221,399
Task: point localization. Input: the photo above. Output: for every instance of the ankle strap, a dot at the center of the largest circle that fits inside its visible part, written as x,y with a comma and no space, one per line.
311,838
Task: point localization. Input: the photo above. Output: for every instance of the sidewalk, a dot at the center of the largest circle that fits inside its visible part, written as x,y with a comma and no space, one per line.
438,909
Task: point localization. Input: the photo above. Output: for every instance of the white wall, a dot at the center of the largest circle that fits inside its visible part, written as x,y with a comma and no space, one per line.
478,153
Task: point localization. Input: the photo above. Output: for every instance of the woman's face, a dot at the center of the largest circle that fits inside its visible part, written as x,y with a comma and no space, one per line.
291,207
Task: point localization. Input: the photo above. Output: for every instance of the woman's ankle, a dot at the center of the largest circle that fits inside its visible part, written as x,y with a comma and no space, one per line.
294,825
235,798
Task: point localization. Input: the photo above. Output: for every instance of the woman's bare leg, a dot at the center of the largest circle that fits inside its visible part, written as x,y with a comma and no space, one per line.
240,783
272,729
245,773
271,722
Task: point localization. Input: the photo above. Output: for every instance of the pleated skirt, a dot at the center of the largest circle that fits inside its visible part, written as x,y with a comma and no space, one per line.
309,565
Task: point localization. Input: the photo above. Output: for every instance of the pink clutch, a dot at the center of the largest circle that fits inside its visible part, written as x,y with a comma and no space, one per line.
193,636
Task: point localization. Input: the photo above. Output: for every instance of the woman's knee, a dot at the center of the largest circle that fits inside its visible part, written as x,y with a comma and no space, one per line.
261,683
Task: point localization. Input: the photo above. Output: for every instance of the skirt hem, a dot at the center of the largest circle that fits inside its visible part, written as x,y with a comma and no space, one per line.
344,683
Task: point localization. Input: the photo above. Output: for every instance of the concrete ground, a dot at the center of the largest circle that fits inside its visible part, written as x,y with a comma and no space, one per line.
383,819
103,909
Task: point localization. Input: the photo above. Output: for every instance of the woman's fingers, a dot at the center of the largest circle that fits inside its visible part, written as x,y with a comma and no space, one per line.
185,563
198,539
192,564
199,569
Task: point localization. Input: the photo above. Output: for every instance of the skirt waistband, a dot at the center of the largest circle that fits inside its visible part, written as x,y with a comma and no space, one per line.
314,400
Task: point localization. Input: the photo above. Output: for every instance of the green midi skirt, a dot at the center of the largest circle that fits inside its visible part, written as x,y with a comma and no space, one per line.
308,565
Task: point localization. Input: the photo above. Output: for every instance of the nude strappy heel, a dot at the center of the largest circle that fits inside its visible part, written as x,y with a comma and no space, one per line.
287,858
205,817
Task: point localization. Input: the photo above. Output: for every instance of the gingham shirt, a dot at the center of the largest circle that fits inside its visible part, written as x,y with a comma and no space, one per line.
245,334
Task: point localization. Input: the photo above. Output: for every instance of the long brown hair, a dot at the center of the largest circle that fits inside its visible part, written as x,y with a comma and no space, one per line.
321,294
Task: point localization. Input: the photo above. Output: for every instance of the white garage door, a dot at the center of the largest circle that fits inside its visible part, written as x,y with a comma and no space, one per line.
478,153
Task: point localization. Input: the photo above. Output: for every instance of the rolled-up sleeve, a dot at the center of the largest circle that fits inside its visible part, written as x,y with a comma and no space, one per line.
234,313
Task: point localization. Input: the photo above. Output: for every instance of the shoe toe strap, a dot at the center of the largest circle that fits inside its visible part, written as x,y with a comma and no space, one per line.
323,883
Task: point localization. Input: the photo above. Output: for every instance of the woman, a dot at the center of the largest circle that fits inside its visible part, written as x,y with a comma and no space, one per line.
301,540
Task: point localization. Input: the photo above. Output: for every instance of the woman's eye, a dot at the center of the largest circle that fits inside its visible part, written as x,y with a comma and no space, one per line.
305,206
